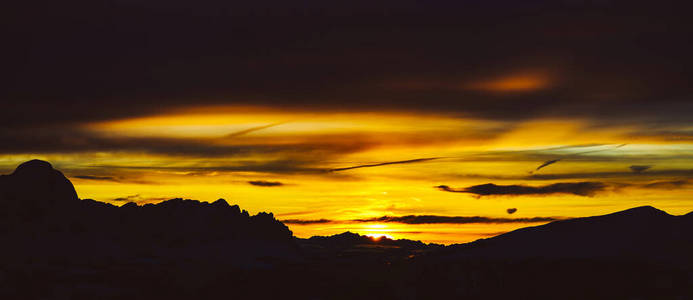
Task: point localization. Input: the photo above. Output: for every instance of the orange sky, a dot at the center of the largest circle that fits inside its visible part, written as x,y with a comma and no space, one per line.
297,164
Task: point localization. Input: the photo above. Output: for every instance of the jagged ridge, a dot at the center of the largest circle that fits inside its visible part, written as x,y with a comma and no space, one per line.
38,198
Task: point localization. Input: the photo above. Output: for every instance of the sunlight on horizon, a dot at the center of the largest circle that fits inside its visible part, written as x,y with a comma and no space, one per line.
311,165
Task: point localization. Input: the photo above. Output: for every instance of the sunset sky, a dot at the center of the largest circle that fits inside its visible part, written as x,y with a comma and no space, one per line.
425,120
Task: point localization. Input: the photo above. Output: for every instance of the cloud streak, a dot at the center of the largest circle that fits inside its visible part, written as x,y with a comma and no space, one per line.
667,184
586,188
99,178
400,162
133,198
553,161
253,129
427,219
265,183
306,222
639,168
547,163
433,219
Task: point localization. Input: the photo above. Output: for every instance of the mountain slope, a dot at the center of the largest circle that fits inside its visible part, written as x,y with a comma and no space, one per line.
39,209
637,233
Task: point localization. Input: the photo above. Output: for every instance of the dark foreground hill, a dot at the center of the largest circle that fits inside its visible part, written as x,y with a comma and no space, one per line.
40,210
56,246
641,233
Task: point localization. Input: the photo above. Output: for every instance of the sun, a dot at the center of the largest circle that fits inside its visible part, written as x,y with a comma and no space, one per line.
378,236
377,231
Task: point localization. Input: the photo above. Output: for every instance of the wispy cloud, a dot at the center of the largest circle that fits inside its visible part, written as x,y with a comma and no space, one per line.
306,222
132,198
265,183
553,161
433,219
253,129
139,199
100,178
586,188
410,161
547,163
427,219
585,175
667,184
639,168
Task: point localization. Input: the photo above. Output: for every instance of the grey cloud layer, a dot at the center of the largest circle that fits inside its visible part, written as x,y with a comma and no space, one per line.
331,56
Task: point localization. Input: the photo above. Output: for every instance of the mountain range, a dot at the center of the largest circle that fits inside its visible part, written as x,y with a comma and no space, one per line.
57,244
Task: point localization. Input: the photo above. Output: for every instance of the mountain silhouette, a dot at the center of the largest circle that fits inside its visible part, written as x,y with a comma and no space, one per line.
57,246
40,209
34,191
637,233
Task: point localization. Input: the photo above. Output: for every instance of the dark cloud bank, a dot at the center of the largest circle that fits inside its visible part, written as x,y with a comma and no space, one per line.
585,188
130,59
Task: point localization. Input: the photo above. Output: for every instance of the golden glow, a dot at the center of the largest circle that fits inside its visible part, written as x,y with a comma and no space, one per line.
377,237
513,83
299,148
224,122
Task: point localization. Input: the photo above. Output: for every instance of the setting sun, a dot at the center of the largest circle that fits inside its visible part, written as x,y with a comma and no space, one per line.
377,237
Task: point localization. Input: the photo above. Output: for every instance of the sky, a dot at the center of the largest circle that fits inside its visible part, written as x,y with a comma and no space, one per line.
441,121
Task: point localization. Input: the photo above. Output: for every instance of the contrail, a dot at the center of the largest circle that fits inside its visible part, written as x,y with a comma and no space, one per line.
553,161
249,130
385,164
600,150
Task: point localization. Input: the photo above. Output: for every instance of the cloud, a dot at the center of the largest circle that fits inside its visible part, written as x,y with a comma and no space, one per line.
139,199
553,161
513,83
298,213
667,184
272,166
433,219
101,178
385,164
253,129
511,211
265,183
586,188
306,222
639,168
132,198
547,163
429,219
587,175
71,140
64,86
